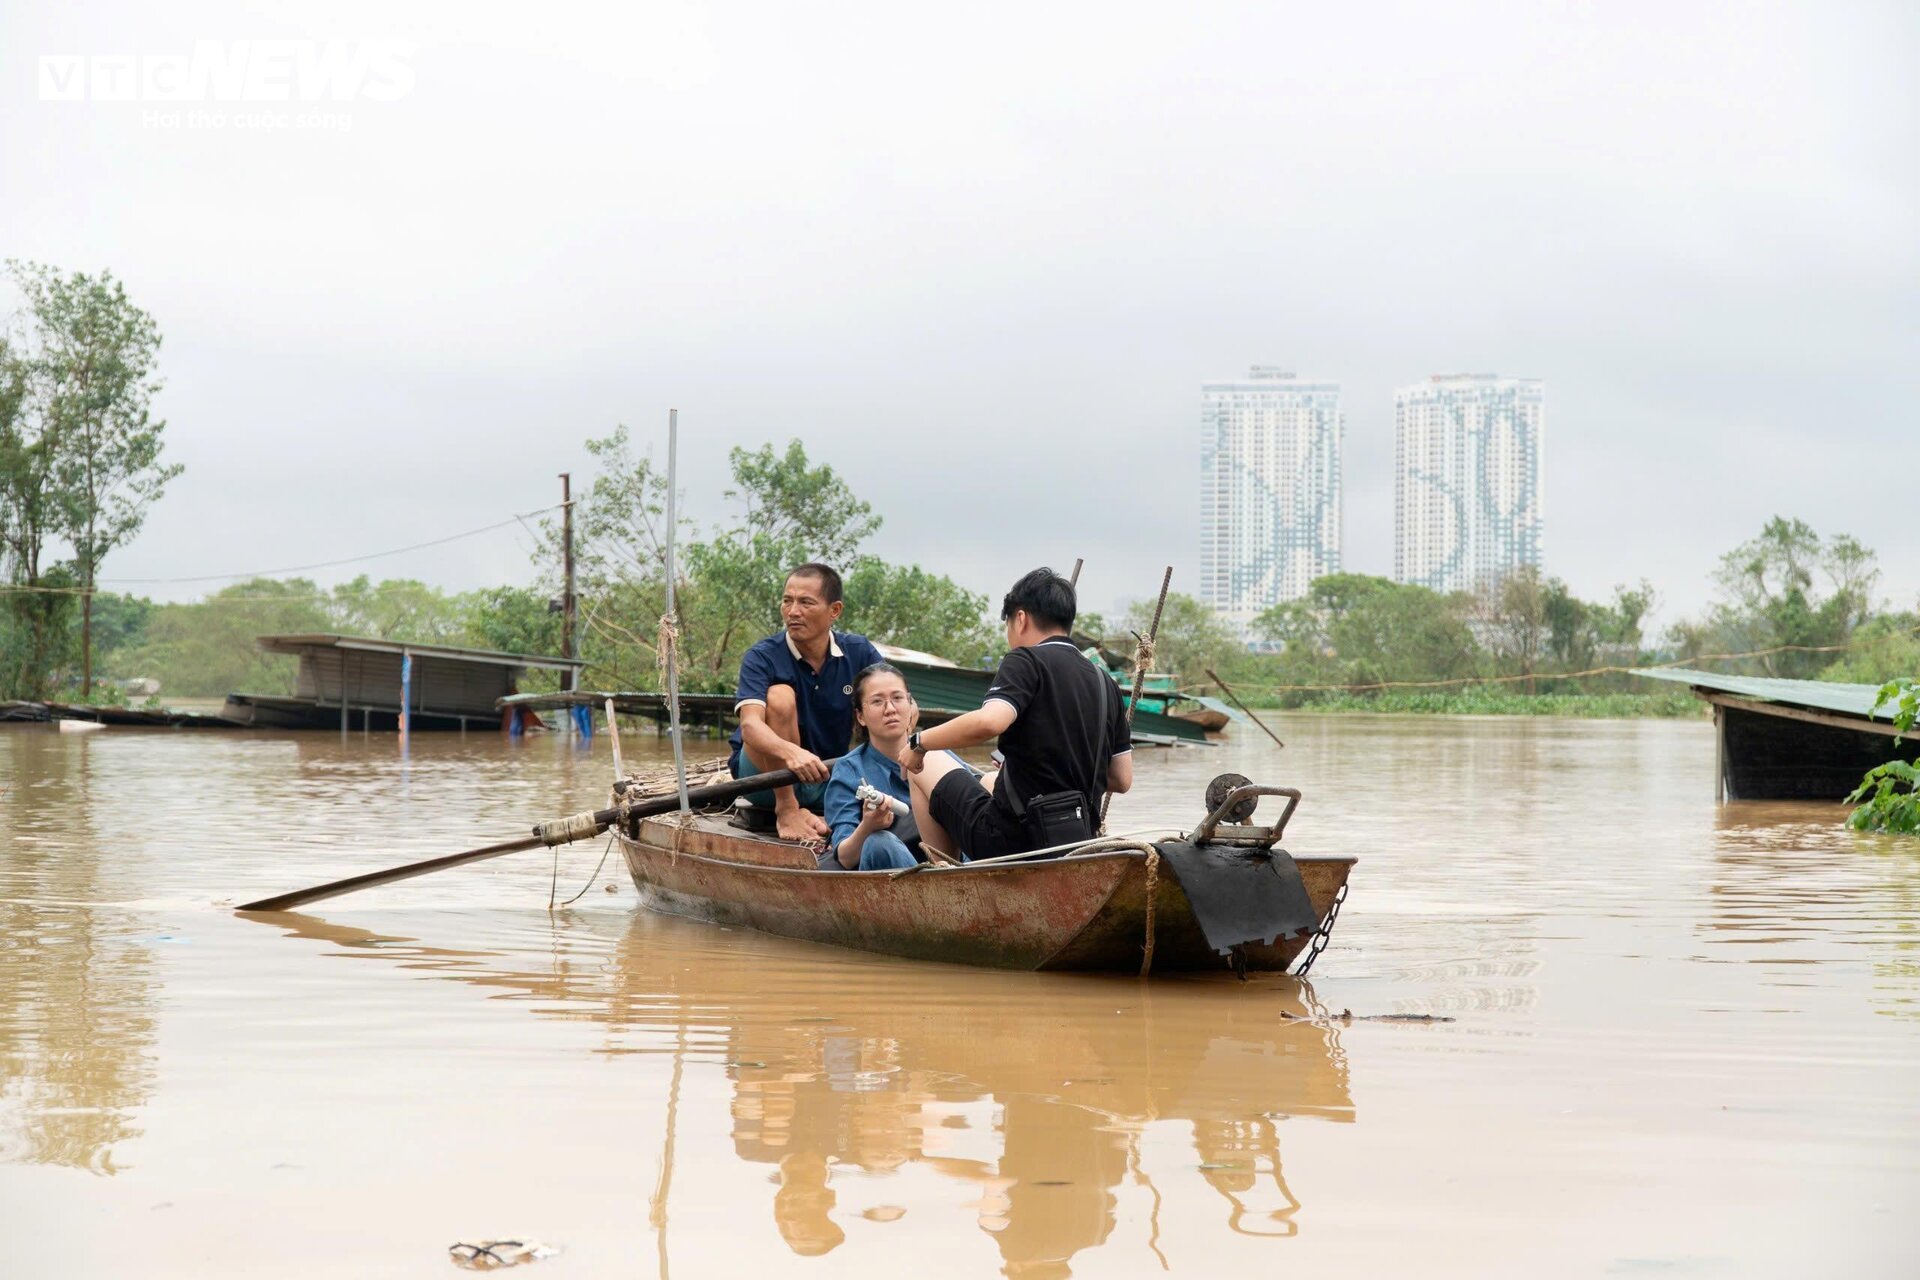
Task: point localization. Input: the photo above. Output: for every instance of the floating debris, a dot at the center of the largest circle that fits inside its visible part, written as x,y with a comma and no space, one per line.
1348,1017
490,1255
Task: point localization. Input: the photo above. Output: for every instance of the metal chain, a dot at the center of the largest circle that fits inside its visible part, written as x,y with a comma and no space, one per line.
1318,942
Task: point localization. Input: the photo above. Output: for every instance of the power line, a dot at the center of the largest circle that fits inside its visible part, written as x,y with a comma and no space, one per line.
331,564
1457,681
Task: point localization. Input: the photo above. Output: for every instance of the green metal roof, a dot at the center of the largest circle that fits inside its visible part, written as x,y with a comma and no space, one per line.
1821,695
961,689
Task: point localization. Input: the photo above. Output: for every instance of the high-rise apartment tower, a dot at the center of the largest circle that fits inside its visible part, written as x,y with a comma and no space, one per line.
1466,489
1269,490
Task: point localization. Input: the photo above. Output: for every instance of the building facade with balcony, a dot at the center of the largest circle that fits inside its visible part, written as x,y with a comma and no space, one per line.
1270,499
1467,462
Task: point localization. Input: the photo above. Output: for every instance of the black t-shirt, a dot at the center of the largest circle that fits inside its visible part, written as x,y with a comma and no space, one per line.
1070,721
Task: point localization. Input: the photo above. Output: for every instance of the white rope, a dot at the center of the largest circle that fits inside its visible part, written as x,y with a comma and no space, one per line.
1096,845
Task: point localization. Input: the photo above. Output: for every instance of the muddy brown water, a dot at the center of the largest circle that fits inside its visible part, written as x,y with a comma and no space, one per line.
1685,1037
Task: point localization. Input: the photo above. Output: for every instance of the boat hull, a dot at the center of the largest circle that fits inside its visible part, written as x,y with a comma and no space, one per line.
1087,912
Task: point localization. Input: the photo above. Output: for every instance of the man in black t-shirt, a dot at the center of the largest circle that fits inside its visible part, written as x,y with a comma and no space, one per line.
1062,726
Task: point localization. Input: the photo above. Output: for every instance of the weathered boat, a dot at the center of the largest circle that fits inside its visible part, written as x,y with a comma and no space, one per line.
1126,905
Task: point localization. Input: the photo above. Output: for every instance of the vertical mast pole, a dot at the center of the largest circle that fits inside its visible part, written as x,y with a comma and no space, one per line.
567,601
670,625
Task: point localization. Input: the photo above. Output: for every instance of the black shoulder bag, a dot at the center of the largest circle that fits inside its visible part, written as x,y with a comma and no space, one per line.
1059,817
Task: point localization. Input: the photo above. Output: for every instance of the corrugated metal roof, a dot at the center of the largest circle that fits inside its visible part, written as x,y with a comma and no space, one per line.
1822,695
307,641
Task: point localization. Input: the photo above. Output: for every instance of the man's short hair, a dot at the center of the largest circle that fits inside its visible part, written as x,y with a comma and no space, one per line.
1045,595
830,586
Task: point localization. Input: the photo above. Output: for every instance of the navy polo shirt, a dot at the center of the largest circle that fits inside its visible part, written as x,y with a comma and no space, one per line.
824,698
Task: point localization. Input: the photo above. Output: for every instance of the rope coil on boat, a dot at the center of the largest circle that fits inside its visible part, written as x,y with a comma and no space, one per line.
1118,844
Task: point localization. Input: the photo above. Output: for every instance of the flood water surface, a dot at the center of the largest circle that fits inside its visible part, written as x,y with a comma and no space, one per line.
1684,1038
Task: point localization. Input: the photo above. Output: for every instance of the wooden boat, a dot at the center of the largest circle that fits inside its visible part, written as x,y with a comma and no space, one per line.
1084,911
1211,719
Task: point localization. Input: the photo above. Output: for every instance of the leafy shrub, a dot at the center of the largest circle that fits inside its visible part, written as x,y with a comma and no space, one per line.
1889,796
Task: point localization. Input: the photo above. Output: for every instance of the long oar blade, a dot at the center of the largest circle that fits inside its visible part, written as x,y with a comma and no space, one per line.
560,831
334,888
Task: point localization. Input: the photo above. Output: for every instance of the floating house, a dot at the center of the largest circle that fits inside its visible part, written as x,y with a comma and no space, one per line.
1792,739
353,682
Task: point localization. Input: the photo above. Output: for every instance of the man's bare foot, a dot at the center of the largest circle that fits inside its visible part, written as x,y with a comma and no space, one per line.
800,824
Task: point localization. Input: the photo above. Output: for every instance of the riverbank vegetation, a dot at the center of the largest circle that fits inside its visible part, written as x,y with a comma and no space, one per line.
1798,604
1889,796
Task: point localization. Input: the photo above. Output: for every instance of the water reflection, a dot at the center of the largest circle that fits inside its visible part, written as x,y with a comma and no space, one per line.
1034,1092
76,994
1792,887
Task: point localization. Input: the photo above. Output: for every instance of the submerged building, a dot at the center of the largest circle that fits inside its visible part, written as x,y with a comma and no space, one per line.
1466,489
1270,510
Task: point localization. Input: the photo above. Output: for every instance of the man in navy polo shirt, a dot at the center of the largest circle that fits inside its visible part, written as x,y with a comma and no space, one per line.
795,700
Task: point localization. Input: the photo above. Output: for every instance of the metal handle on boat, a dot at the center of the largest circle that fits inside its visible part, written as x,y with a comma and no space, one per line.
1204,832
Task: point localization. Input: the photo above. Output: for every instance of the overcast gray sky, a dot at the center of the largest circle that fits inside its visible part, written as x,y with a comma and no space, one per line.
980,258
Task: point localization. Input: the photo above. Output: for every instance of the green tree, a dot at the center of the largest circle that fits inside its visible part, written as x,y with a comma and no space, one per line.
1786,589
793,512
1192,639
511,620
1356,629
1572,628
208,648
398,609
909,607
92,373
1884,648
1514,618
40,589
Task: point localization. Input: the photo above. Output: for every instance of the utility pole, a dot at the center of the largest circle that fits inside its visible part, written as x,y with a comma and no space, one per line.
568,604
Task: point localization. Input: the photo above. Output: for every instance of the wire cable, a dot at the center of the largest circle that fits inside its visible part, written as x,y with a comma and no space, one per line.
331,564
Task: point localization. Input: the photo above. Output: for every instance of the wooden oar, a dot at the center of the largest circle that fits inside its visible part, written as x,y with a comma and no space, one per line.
581,826
1244,707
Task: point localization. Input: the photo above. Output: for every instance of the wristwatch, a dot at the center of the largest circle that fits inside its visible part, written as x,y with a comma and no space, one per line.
913,741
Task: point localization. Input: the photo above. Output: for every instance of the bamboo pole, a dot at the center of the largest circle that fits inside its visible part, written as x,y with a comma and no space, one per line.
1141,656
1243,707
613,735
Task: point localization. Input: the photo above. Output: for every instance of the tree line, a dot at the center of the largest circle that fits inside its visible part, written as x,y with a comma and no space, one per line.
1802,603
783,509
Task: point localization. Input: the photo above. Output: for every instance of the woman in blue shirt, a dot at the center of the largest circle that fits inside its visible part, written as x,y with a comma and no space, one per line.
871,837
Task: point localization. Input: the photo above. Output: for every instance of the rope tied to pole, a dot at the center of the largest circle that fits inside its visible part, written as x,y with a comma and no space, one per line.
1143,652
1153,893
667,645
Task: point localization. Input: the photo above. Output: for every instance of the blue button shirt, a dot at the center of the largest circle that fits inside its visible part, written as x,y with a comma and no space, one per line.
866,763
824,698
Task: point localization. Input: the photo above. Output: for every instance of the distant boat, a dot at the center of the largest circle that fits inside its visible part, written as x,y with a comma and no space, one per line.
1160,692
